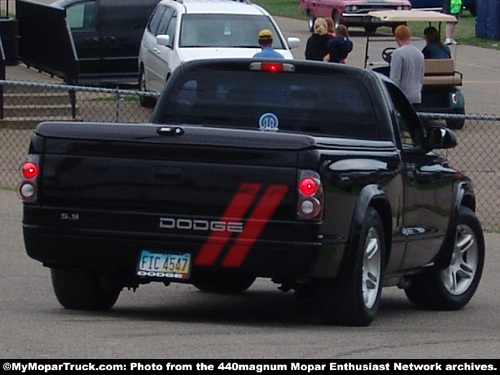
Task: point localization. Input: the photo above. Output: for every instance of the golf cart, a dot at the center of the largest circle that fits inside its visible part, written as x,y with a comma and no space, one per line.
441,93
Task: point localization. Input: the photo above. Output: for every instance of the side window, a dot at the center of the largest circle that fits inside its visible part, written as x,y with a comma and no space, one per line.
82,16
408,123
164,22
156,19
171,29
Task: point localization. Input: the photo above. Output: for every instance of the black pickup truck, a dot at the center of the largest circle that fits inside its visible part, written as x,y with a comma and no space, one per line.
318,176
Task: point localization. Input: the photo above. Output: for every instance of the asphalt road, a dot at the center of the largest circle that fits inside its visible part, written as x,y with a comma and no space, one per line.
180,322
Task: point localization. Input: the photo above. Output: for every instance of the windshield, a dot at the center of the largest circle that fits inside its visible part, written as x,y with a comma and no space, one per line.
263,101
225,30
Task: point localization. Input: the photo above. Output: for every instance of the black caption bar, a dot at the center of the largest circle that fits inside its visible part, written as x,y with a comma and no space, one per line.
249,366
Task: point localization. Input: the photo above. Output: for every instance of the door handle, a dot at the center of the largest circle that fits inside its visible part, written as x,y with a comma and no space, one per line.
169,175
109,39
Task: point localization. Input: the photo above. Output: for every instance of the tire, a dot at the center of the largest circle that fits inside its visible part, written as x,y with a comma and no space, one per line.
354,301
337,21
453,287
310,20
225,283
456,123
370,29
146,101
81,289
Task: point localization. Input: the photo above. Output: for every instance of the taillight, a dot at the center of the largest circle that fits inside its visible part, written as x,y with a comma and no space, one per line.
308,186
272,66
30,170
310,195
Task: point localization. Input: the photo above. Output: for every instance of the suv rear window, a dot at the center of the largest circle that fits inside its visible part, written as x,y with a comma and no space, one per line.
224,30
324,105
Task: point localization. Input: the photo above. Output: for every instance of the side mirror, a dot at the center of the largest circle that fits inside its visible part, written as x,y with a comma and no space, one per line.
293,42
439,137
163,40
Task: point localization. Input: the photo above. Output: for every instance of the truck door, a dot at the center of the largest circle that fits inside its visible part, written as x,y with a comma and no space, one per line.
121,25
107,35
427,188
83,19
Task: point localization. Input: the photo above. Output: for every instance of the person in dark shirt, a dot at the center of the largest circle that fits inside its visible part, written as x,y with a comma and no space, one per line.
316,48
435,49
340,45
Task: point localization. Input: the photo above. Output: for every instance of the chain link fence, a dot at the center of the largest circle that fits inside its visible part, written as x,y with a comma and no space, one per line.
26,104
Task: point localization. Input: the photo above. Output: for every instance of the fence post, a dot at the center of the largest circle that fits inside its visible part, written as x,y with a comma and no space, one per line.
2,77
117,104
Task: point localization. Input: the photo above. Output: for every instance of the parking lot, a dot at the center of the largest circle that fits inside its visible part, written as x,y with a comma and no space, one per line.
180,322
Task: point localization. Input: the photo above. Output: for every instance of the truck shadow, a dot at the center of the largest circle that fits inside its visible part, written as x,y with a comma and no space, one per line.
256,306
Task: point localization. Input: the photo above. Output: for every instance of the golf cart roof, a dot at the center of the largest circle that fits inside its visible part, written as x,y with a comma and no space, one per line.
411,16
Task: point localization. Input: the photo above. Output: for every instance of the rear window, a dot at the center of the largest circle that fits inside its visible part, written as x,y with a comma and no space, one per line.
225,30
291,102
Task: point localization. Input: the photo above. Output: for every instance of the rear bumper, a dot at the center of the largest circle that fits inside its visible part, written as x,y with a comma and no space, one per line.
442,99
364,20
119,253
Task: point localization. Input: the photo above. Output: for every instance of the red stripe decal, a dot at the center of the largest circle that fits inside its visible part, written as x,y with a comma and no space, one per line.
255,224
234,212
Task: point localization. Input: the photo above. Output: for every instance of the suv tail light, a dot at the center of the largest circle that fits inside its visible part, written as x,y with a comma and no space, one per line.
310,195
30,170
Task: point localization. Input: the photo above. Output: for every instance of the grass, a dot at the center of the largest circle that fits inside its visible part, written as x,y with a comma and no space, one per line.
465,31
283,8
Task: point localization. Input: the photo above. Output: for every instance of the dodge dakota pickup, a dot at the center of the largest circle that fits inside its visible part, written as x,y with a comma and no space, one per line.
317,176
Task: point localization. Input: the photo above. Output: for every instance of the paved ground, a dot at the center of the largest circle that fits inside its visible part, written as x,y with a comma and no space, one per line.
180,322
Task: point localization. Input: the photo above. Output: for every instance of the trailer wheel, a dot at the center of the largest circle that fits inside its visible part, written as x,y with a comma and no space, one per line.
82,289
354,301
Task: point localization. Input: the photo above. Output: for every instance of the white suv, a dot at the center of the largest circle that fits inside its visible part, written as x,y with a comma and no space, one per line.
183,30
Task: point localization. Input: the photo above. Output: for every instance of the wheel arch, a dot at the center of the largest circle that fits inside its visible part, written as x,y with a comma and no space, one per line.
384,210
371,196
463,196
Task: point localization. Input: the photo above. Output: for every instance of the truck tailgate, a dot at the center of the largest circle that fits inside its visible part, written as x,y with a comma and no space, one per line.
205,183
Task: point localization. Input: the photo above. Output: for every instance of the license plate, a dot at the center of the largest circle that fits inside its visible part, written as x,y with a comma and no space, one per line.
164,265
